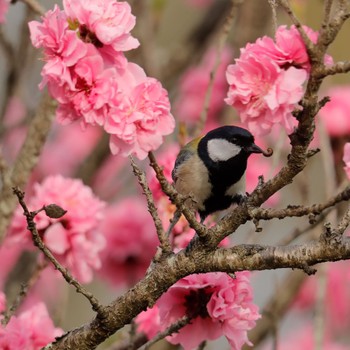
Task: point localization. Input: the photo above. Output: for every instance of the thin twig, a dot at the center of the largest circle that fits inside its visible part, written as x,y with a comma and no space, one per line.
222,39
299,210
185,320
308,43
273,5
25,288
163,238
327,13
96,306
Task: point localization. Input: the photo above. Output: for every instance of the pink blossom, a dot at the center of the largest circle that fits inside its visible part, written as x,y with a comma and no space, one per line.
346,159
194,85
62,48
74,238
131,242
4,6
266,81
105,24
263,93
293,47
148,322
335,114
287,50
217,304
139,121
93,88
31,330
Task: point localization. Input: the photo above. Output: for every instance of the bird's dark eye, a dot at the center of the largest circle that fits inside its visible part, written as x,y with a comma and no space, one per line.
234,140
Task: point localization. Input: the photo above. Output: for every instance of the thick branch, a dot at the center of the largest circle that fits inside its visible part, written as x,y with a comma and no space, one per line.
197,260
338,68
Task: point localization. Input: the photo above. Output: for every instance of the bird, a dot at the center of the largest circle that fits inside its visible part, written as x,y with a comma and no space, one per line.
210,170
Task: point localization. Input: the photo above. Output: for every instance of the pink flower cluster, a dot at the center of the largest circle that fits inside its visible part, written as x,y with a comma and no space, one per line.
73,238
266,81
32,329
215,302
87,73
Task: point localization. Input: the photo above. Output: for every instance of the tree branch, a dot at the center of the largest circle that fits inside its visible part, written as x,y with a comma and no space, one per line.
47,253
299,210
197,259
163,238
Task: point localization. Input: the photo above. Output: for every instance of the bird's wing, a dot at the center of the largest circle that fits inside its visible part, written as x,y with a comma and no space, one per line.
186,153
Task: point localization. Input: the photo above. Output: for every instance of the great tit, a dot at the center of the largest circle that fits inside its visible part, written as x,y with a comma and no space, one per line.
211,169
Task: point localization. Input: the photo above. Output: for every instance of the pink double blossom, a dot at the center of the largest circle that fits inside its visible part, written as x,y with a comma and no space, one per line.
142,117
87,73
92,90
263,93
62,48
105,24
73,238
31,330
266,81
217,305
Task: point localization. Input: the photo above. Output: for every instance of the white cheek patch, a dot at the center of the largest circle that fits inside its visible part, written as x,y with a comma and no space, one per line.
222,150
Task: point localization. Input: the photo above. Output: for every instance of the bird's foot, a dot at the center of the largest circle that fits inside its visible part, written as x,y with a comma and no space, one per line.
240,198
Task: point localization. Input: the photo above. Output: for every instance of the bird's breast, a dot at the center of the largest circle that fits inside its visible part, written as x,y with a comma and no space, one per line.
192,179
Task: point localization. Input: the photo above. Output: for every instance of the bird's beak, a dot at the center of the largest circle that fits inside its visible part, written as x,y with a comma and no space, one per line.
253,148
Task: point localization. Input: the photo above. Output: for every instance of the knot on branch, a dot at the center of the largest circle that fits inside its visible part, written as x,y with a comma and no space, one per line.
330,236
308,269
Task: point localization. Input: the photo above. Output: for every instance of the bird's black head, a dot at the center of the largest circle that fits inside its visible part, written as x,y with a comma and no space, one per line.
226,143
